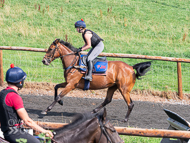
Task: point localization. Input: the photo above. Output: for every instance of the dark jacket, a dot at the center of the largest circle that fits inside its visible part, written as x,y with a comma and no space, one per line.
95,39
8,115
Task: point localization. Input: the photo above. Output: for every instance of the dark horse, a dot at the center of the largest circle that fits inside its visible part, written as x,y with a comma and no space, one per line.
88,128
119,75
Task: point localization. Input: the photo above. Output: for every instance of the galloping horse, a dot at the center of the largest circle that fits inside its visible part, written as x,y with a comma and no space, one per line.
119,75
88,128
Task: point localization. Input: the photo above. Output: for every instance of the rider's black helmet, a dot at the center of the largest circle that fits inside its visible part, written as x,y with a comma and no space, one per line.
15,75
80,23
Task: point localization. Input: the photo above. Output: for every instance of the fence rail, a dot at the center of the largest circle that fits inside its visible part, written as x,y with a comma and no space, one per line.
115,55
159,133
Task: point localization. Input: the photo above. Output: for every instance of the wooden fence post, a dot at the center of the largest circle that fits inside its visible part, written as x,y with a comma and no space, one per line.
1,68
180,92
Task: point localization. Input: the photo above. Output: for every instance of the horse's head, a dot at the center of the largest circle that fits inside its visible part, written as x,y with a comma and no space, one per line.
52,53
58,48
108,129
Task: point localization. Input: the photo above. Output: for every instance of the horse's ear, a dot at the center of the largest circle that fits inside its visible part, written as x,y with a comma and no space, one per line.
105,114
56,41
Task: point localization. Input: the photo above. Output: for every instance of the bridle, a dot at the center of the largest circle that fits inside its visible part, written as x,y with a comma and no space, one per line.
71,65
103,128
104,131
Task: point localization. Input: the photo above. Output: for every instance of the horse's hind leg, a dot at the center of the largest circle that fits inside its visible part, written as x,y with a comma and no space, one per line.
61,85
108,99
49,108
130,104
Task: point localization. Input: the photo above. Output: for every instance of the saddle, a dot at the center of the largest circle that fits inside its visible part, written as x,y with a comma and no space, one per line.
100,65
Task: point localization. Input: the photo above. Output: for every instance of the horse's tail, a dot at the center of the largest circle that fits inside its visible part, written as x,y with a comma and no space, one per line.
142,68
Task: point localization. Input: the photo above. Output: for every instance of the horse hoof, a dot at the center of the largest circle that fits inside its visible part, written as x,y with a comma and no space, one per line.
60,102
125,120
43,112
94,111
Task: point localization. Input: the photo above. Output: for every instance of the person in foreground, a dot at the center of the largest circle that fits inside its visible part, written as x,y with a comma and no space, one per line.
12,111
91,39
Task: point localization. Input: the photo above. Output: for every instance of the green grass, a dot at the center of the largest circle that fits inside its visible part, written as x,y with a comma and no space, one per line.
155,28
137,139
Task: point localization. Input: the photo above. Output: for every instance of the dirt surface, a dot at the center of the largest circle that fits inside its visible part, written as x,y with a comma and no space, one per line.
41,89
144,115
147,112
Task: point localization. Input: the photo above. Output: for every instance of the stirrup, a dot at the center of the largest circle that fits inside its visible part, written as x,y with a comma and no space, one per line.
88,78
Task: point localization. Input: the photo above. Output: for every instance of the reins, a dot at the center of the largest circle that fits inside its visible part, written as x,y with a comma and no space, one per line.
53,141
72,63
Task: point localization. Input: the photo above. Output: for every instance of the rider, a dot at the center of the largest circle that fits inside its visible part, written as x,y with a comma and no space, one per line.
91,39
12,111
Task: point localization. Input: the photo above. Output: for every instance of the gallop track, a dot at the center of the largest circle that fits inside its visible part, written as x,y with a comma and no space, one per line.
145,114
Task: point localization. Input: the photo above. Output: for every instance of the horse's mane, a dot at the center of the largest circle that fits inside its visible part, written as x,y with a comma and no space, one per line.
67,44
78,119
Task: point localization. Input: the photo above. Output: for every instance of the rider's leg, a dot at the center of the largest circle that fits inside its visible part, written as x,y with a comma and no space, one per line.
92,54
89,75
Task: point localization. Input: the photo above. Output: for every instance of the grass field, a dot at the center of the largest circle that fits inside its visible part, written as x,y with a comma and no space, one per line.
155,28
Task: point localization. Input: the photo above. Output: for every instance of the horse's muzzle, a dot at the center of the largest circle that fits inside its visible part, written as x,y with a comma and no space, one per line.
45,62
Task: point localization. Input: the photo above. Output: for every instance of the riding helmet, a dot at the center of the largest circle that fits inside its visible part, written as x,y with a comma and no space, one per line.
80,23
15,75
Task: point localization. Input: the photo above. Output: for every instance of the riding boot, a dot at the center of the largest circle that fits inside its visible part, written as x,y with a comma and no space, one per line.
89,75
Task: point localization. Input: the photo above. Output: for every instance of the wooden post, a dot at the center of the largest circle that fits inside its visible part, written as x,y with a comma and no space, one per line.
1,68
180,92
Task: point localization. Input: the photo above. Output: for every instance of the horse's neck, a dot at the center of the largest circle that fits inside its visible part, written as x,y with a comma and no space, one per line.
67,59
87,130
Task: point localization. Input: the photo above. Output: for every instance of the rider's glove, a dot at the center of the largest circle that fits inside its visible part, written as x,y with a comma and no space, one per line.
79,49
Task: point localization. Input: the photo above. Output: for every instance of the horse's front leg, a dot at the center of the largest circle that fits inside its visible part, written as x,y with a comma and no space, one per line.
61,85
66,90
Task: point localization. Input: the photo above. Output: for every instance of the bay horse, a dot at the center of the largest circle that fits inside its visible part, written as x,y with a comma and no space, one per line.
119,75
88,128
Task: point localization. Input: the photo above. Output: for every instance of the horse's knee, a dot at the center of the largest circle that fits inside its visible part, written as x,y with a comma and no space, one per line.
56,87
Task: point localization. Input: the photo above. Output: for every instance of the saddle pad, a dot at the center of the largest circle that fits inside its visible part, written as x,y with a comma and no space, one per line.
98,66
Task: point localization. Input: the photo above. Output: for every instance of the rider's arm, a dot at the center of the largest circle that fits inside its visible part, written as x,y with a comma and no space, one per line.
87,45
29,122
